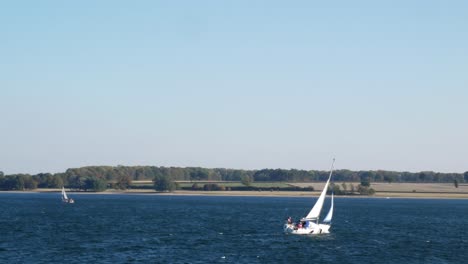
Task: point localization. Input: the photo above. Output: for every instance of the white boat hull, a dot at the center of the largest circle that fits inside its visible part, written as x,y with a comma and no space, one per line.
69,200
312,229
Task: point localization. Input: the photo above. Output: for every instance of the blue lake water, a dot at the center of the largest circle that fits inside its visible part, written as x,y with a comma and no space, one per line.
38,228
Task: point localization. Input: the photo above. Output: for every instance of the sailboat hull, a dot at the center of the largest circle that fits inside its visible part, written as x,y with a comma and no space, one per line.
312,229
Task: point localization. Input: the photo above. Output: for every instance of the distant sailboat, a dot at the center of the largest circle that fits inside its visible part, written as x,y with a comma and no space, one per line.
65,198
310,225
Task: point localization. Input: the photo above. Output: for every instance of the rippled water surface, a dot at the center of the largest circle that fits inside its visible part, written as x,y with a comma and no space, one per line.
37,228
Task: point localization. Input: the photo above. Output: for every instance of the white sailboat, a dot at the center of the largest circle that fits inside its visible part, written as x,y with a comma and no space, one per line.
310,224
65,198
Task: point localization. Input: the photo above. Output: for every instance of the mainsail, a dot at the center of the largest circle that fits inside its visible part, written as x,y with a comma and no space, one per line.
315,212
64,194
329,216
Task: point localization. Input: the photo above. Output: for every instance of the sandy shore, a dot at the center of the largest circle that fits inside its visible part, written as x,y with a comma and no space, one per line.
379,194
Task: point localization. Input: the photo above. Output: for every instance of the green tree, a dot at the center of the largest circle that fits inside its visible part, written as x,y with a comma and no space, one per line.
365,190
336,189
246,180
163,183
366,177
213,187
19,183
388,179
47,180
95,184
455,183
29,183
123,182
77,182
56,182
7,183
198,174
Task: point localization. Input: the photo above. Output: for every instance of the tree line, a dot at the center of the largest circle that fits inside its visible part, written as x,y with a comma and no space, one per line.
97,178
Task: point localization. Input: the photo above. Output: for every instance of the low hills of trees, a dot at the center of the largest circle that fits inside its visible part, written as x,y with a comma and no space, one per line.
97,178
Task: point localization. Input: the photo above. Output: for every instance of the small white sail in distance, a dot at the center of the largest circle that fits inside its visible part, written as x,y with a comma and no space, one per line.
315,212
329,216
64,194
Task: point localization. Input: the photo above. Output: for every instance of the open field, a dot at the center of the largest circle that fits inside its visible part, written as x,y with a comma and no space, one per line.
398,187
420,187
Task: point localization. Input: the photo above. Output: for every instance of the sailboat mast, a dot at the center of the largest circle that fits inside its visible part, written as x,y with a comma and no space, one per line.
332,167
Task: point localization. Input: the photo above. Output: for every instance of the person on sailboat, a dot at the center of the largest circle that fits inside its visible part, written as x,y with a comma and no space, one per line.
290,221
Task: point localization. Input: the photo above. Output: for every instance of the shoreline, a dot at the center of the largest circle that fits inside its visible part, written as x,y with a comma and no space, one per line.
383,195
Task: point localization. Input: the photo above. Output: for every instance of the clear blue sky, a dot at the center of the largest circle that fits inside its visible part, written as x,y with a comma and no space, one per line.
234,84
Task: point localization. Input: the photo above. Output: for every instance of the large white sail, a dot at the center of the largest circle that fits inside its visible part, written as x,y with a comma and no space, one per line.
329,216
315,212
